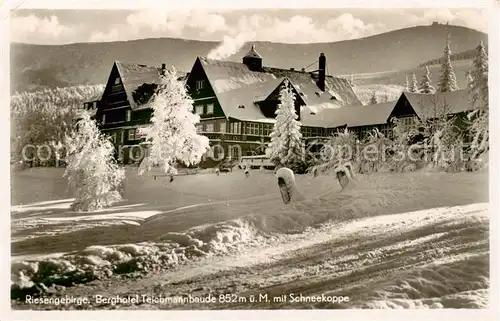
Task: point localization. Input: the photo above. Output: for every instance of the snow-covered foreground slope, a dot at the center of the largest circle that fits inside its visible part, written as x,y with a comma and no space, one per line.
435,258
348,236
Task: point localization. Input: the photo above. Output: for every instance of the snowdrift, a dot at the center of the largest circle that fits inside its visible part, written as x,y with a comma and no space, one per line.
245,223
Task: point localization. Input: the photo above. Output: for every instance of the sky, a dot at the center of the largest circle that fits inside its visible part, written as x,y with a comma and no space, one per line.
42,26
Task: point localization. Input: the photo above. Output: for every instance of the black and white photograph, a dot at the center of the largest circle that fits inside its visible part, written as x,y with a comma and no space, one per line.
183,158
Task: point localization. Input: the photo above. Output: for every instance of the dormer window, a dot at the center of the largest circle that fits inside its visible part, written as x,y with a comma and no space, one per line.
241,106
199,84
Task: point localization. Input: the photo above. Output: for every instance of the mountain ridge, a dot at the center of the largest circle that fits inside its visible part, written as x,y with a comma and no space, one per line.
36,67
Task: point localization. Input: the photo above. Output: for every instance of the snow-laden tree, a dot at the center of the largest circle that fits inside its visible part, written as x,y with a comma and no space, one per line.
479,94
92,172
286,147
413,85
42,117
407,83
448,80
172,135
470,80
373,99
425,86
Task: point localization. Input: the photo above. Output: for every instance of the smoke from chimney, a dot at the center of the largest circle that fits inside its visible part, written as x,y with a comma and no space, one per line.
229,46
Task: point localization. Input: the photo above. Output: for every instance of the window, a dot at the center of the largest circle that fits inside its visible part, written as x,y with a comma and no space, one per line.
253,129
199,84
408,121
94,104
131,134
210,109
268,129
209,128
128,115
103,118
199,128
222,127
117,81
199,109
235,128
234,152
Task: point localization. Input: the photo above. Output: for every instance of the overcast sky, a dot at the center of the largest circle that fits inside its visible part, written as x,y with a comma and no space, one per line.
284,25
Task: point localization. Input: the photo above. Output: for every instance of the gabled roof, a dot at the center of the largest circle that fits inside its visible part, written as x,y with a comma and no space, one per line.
427,105
253,53
241,103
134,75
305,83
235,84
331,115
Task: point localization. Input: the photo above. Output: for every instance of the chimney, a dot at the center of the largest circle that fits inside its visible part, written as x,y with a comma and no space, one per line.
322,72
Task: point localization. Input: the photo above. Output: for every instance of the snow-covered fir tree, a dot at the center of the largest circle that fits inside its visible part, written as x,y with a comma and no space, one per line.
479,92
425,86
286,147
413,85
92,171
448,80
373,99
172,133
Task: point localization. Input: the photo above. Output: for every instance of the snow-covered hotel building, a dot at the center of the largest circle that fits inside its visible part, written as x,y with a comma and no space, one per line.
237,101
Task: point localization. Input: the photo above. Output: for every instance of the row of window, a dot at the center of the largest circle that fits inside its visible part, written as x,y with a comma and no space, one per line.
236,128
131,134
128,116
207,109
311,132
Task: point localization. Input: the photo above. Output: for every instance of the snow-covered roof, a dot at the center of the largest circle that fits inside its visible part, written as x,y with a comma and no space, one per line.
241,103
95,97
332,115
235,84
426,105
134,75
253,53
